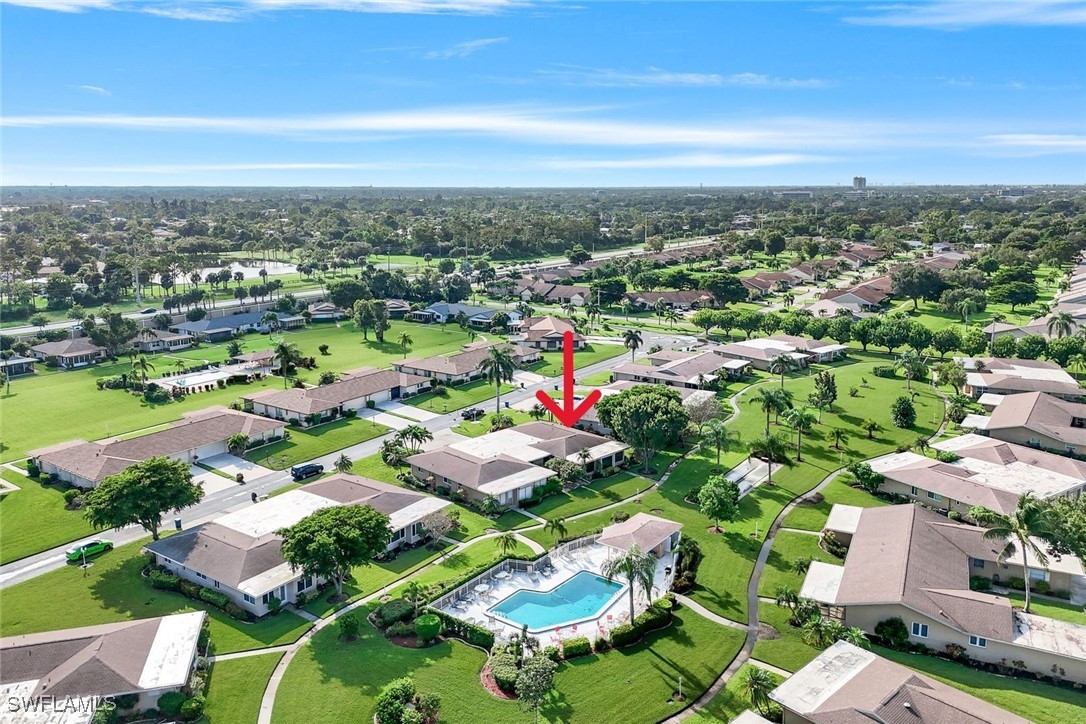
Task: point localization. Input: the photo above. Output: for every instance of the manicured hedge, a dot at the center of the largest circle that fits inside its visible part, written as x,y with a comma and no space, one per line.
624,634
427,626
164,581
579,646
395,610
475,635
503,667
170,703
215,598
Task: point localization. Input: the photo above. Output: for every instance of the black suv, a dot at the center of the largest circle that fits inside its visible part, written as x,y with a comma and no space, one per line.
473,414
302,472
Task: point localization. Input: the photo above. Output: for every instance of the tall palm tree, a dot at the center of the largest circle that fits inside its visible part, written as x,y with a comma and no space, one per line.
557,528
769,448
506,543
142,365
912,366
271,320
672,317
1018,531
1061,324
719,436
772,400
660,307
997,318
965,308
639,570
1076,364
800,419
625,305
781,365
839,436
405,342
758,682
922,445
498,367
287,353
583,456
631,339
415,436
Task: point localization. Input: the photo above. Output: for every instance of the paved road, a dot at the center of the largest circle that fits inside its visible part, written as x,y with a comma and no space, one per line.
225,501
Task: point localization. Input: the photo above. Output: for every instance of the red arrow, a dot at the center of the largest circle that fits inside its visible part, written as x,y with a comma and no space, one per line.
569,412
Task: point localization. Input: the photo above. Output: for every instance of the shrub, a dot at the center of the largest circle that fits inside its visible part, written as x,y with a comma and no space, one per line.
126,701
945,456
193,709
620,516
652,618
190,589
1042,587
602,644
956,652
71,497
428,705
164,581
393,700
32,469
474,635
428,626
954,515
552,653
980,583
575,647
1017,584
893,632
106,713
348,627
395,610
503,667
885,371
215,598
624,634
170,703
400,628
902,412
235,611
664,604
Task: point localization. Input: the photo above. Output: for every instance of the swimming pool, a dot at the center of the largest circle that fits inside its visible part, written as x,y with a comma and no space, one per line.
582,597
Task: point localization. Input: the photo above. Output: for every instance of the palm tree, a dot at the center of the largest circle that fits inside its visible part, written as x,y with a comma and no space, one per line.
557,528
271,320
583,455
800,566
870,427
839,436
415,436
537,411
783,364
671,316
498,367
659,307
1018,531
772,400
506,543
631,339
1076,363
997,318
769,448
405,342
787,597
965,308
287,353
758,682
344,464
639,570
625,305
800,419
922,445
719,436
142,365
818,632
852,635
1061,324
393,453
912,365
237,443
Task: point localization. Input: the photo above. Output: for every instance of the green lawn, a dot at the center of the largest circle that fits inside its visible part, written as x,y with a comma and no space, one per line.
551,365
455,565
473,393
372,467
787,652
787,548
236,687
309,443
597,379
589,497
34,519
813,517
36,402
467,428
732,700
1039,702
113,590
1061,610
331,681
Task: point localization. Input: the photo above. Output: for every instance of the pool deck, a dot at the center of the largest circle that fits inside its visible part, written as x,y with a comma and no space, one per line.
547,575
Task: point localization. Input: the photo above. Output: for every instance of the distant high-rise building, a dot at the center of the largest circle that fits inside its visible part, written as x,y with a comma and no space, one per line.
859,182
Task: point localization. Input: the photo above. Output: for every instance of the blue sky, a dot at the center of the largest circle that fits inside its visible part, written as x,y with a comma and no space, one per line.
511,93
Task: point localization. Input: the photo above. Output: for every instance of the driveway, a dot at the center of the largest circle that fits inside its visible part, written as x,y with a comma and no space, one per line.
415,413
209,481
528,378
383,418
232,465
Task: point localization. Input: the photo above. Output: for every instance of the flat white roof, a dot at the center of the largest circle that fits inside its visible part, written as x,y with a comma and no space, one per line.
416,511
990,399
977,422
822,582
520,479
77,710
282,511
1049,634
504,442
171,652
844,518
813,685
829,348
268,580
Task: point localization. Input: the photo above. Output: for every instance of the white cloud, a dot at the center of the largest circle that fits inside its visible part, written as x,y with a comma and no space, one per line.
180,168
960,14
1037,143
230,10
701,160
463,50
97,90
612,78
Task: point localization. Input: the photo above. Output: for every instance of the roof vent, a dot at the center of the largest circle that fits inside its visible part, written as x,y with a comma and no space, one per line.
908,705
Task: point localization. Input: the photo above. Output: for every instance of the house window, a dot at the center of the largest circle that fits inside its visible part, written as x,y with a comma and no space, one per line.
978,641
248,599
914,490
934,496
268,596
1037,575
978,563
398,535
201,576
920,630
216,584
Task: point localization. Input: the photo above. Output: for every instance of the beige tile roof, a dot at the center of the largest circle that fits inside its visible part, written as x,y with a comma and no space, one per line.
353,386
643,530
1040,413
459,363
538,329
68,348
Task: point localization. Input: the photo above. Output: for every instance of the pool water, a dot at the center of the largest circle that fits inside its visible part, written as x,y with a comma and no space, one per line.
580,598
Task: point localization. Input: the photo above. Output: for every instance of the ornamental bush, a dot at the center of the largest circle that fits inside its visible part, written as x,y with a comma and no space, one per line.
393,700
552,653
400,628
395,610
427,627
348,627
624,634
164,581
503,667
215,598
575,647
893,632
193,709
885,371
170,703
902,412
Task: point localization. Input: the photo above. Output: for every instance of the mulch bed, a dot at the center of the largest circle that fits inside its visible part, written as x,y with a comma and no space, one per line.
767,632
487,680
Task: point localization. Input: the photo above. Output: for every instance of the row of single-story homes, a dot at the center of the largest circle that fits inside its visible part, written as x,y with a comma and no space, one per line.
355,390
197,436
509,464
907,562
463,366
239,554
